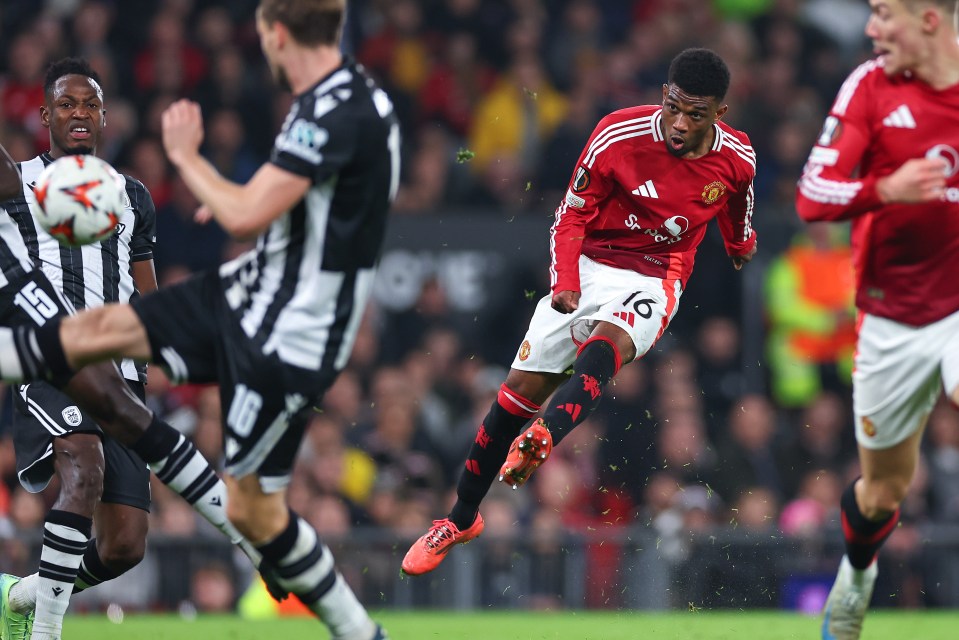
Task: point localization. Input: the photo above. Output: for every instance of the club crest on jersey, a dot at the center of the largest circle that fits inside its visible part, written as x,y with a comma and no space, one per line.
713,192
868,427
581,181
72,416
524,350
831,130
947,154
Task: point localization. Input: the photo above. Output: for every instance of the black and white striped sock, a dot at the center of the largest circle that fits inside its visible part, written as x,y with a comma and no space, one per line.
304,566
65,539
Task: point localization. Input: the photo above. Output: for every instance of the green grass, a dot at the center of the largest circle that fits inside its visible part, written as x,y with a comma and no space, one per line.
451,625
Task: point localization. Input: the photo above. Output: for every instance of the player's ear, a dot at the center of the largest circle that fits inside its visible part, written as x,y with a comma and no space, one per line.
665,91
45,116
281,33
721,111
931,20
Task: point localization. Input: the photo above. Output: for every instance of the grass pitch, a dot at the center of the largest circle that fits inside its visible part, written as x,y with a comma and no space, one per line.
470,625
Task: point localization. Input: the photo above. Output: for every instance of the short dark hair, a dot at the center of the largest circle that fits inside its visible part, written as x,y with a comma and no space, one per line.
700,72
67,67
311,22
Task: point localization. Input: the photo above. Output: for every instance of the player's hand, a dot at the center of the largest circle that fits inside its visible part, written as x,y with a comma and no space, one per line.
182,124
917,180
566,301
739,261
203,215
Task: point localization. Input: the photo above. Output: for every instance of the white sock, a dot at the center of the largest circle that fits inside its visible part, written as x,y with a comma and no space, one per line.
63,549
343,613
316,577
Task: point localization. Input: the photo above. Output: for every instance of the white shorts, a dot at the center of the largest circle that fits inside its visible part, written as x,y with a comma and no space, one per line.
640,305
900,372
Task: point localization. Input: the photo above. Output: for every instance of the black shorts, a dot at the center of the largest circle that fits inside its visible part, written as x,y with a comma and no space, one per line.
266,403
42,414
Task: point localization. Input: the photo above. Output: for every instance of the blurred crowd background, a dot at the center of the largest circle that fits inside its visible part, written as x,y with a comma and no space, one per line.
739,418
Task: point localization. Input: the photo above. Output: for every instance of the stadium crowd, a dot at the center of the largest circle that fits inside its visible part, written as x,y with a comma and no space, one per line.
691,437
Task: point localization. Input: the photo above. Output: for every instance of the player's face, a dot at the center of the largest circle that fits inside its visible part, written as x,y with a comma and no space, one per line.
688,121
74,114
268,43
896,34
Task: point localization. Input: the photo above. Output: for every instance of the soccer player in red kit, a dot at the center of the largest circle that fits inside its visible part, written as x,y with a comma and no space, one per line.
888,159
622,246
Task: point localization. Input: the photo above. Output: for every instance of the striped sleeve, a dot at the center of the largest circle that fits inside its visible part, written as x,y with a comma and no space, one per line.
736,221
145,230
587,189
829,188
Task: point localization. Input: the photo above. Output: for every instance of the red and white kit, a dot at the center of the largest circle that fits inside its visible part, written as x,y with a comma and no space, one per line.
632,218
906,256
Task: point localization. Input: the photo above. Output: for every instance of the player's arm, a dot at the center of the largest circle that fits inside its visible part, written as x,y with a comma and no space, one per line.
736,223
244,211
831,186
588,188
143,237
10,185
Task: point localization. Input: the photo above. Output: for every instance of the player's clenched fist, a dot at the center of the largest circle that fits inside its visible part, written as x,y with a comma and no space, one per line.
917,180
566,301
182,129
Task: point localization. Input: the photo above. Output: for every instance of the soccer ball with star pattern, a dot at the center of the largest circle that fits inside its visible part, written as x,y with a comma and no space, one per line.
79,199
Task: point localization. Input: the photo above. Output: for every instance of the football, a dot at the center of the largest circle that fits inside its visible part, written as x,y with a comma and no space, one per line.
79,199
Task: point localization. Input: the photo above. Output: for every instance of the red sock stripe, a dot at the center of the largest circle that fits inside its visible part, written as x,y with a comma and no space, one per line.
618,358
857,538
515,403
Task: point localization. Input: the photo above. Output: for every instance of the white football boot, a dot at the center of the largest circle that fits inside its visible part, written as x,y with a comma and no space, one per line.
847,602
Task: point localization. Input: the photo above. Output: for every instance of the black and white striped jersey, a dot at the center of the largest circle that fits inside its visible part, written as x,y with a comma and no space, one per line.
301,292
95,274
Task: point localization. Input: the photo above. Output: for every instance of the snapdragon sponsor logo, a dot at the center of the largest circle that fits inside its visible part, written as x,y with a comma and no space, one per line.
670,232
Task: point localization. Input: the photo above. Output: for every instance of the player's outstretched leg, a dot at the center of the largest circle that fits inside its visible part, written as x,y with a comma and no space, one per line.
529,450
13,625
508,414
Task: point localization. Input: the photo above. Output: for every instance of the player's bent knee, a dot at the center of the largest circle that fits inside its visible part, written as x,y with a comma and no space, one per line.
124,553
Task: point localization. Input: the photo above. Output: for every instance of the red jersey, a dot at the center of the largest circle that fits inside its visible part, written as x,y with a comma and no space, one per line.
633,205
906,256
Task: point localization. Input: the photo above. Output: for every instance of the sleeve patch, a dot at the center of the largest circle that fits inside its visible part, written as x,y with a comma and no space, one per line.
574,201
581,181
303,139
831,131
824,156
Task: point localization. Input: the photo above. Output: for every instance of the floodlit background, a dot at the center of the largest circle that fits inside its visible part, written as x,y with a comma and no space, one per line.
710,475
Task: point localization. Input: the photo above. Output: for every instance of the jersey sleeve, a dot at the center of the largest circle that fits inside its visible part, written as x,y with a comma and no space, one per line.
316,148
736,221
590,185
145,229
830,188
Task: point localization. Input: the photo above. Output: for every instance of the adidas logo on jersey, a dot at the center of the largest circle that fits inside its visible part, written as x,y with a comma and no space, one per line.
900,118
646,190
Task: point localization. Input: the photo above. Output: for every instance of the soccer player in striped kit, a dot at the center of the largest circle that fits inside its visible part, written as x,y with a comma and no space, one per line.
888,160
100,479
622,245
276,325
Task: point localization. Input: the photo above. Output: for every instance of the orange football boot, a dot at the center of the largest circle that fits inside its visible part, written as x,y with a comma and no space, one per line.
429,551
529,450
